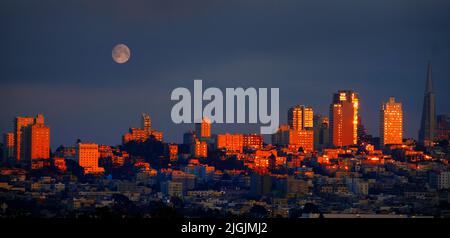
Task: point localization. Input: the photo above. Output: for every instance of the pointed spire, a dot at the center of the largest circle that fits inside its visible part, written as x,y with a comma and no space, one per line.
429,85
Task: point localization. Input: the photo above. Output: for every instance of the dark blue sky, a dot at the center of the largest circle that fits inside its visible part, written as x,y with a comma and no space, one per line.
56,58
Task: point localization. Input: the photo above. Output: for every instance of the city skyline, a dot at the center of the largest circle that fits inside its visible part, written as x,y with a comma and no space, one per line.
59,59
224,116
140,134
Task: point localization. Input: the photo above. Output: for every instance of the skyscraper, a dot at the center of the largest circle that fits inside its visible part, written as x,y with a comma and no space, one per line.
32,140
203,129
344,118
321,131
391,122
19,124
428,122
37,141
300,117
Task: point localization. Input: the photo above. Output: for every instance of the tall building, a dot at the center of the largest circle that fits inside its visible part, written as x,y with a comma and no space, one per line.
391,122
87,156
300,132
37,146
344,118
443,127
203,129
300,117
32,141
146,122
8,146
321,132
428,122
19,124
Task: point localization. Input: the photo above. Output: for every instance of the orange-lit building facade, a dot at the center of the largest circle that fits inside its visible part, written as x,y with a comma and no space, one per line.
294,139
19,124
253,141
135,134
344,118
32,141
305,140
230,142
146,122
143,133
200,149
203,129
105,151
38,144
391,122
300,117
173,151
157,134
262,158
60,163
87,157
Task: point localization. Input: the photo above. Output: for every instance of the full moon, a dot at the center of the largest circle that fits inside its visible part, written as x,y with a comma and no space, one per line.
121,53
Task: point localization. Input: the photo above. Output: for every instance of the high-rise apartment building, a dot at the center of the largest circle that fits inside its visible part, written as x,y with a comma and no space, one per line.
321,132
391,122
37,146
32,140
300,117
344,118
19,124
